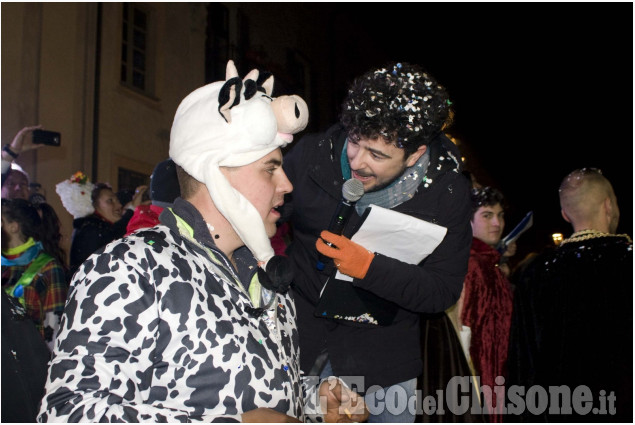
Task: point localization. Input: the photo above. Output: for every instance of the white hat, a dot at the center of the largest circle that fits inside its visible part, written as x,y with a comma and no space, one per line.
234,123
75,194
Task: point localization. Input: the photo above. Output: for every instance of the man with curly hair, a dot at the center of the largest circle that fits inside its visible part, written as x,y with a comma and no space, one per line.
390,137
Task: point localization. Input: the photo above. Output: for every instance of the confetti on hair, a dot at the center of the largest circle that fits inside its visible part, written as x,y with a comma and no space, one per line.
401,103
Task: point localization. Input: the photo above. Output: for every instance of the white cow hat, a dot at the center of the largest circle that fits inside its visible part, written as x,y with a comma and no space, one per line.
234,123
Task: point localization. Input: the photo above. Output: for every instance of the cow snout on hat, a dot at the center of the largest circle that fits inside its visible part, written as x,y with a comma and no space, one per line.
292,115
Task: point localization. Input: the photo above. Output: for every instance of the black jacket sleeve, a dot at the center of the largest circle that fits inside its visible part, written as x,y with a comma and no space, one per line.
436,283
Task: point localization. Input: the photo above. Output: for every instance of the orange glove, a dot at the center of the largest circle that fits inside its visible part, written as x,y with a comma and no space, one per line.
350,258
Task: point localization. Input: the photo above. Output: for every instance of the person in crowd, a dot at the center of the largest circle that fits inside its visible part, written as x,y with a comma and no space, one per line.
483,313
25,358
164,189
107,223
572,325
15,182
52,235
30,273
390,138
191,320
15,185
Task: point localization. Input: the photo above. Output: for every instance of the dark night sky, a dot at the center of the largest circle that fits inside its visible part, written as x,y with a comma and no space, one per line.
539,90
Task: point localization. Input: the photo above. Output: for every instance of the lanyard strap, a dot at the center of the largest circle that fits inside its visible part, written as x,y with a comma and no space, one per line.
17,290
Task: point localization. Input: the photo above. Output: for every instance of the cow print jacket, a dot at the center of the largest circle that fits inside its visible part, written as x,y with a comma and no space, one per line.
158,327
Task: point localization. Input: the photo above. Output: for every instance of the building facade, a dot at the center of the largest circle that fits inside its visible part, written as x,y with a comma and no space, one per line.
109,77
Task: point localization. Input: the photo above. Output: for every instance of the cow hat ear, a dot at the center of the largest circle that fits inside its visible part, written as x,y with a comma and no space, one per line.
227,98
227,95
230,70
253,75
251,87
268,85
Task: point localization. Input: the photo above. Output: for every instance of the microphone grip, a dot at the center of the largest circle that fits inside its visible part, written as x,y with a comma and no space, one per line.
322,259
336,226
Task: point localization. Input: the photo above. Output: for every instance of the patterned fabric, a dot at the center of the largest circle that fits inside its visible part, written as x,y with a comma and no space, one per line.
487,310
159,327
44,297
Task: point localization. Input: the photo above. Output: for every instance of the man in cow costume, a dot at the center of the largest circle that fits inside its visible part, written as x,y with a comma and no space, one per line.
191,320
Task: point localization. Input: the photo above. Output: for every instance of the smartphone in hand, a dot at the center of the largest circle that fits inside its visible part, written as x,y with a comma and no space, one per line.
45,137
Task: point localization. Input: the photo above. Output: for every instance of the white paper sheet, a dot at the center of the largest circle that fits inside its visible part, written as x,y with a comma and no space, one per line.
397,235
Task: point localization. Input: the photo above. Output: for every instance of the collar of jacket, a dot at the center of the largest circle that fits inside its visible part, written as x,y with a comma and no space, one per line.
184,217
444,157
191,219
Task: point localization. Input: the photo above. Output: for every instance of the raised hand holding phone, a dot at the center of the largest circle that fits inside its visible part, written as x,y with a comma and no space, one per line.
22,142
46,137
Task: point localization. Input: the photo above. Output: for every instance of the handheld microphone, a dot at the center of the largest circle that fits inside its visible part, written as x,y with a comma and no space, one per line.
352,191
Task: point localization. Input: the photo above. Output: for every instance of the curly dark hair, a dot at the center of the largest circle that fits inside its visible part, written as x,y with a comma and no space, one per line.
400,102
485,197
